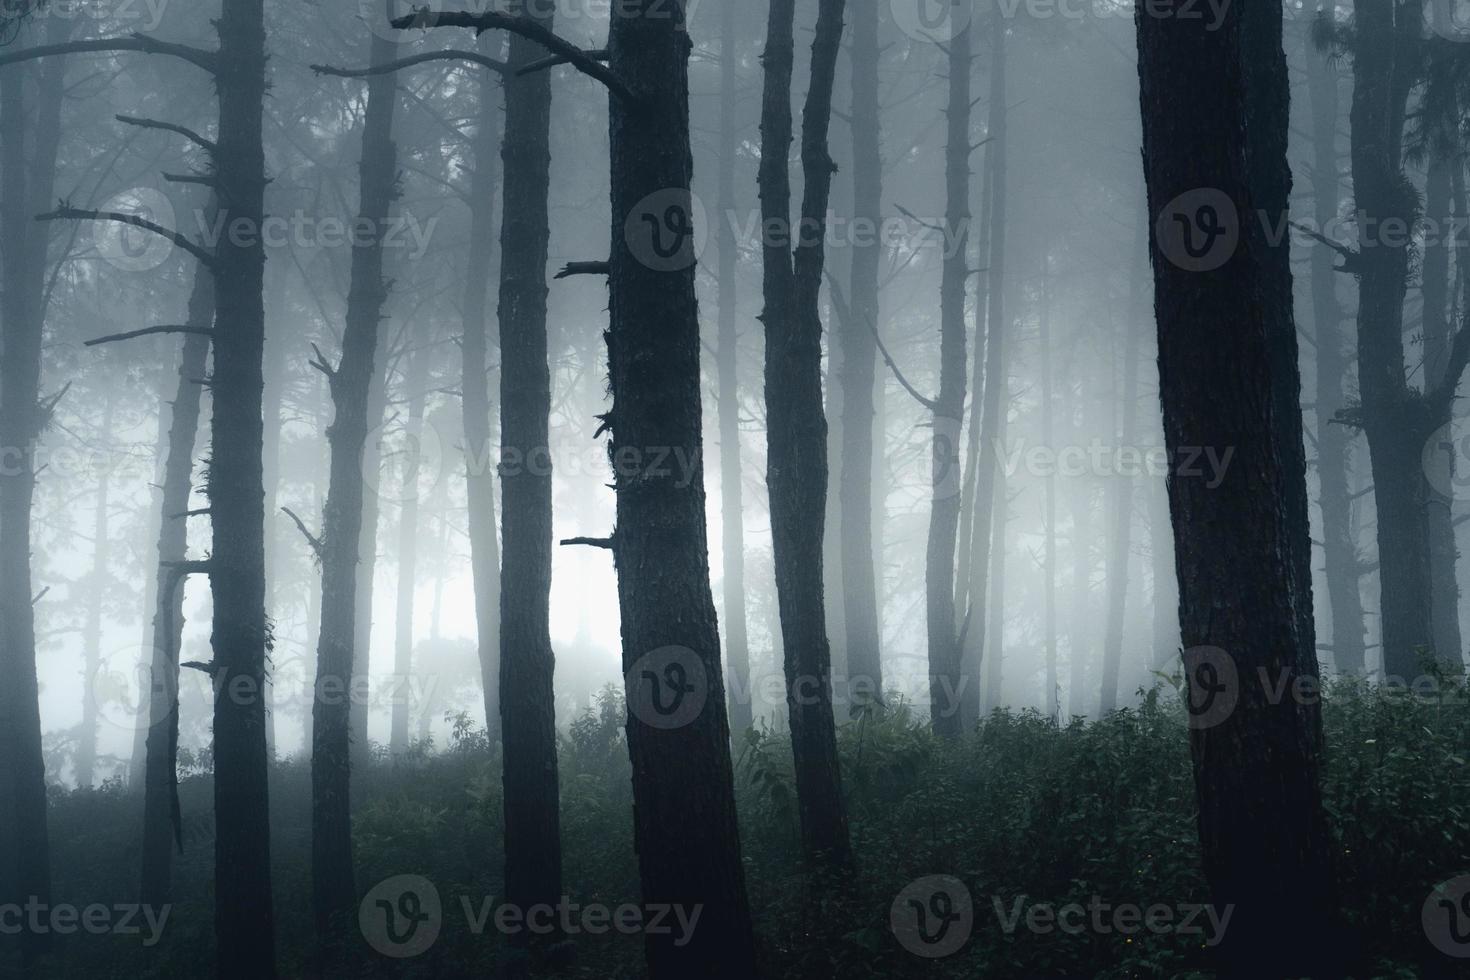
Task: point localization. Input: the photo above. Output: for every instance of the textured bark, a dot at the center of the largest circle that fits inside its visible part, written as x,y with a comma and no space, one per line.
732,495
1263,834
796,426
533,864
160,780
682,777
334,893
475,389
946,658
243,914
1334,440
1120,499
28,180
995,400
859,368
97,584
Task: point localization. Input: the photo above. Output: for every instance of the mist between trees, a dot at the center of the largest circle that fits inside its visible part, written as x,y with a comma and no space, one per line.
698,488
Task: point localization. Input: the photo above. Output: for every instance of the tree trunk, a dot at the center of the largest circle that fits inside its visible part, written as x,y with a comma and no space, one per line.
475,394
796,427
1395,420
946,656
334,894
995,399
533,863
859,367
1120,497
682,776
160,780
26,192
1256,758
1334,454
244,921
1080,630
732,495
1049,557
416,380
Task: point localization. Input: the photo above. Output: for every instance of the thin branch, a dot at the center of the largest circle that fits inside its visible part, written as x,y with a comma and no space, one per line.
590,542
208,60
499,67
1350,256
202,142
40,595
149,332
494,20
65,213
311,539
551,61
208,180
928,403
585,269
319,361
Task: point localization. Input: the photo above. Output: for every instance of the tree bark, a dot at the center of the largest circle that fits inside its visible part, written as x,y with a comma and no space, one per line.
28,182
415,381
334,894
97,588
946,656
796,426
533,861
160,779
1214,106
244,919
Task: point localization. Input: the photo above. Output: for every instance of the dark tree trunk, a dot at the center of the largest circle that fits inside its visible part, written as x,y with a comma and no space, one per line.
1444,600
360,747
274,360
97,588
28,181
243,916
1334,453
334,894
974,451
995,403
859,367
1256,758
527,663
732,495
160,780
1395,418
475,394
946,657
796,427
1120,497
415,380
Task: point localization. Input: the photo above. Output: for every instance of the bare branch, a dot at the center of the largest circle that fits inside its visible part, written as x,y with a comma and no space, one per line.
585,269
40,595
208,180
590,542
142,43
1349,255
499,67
311,539
149,332
928,403
527,28
202,142
551,61
319,361
65,213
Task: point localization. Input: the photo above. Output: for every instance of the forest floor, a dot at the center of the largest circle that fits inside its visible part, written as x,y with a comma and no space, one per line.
1076,846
